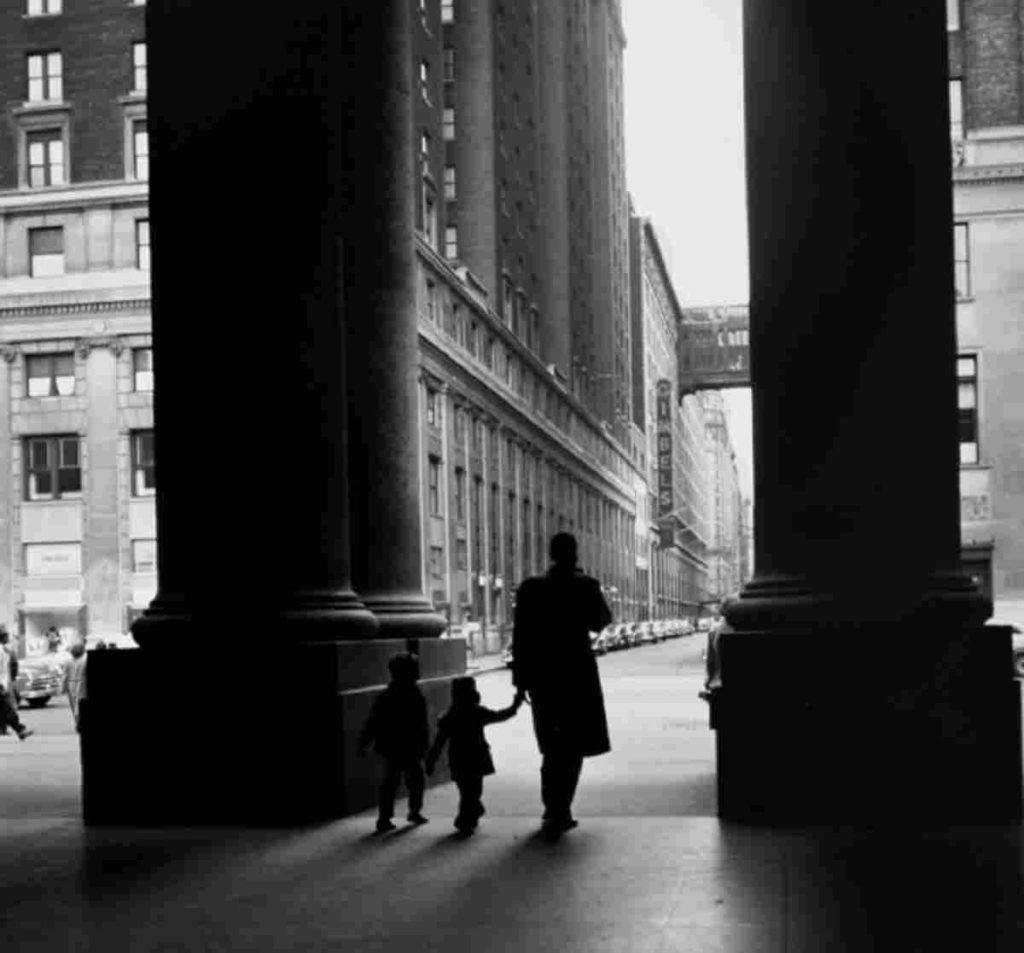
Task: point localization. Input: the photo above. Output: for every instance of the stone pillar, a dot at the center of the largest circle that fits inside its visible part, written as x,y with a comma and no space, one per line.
252,505
101,568
383,347
858,680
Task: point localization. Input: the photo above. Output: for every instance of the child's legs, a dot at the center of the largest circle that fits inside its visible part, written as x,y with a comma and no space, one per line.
470,791
388,786
415,782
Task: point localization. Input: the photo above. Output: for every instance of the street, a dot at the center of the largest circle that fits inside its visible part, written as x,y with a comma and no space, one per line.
661,763
662,758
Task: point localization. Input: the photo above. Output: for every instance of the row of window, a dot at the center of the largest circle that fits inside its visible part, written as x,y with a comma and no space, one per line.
46,249
53,466
45,69
47,159
53,375
65,559
51,8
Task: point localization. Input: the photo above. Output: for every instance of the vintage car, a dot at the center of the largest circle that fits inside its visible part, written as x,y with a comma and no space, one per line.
39,679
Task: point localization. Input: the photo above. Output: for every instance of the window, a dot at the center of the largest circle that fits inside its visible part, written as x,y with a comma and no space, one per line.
449,182
522,317
956,110
961,260
430,300
472,335
433,486
507,300
425,81
534,329
45,77
46,251
460,425
45,157
50,375
451,242
140,150
460,494
53,559
425,147
447,11
52,468
461,556
967,406
449,64
144,556
952,14
39,8
448,123
142,369
142,244
139,67
143,463
478,435
429,214
437,562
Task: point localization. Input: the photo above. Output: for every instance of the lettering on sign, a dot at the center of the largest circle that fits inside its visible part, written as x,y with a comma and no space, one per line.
666,497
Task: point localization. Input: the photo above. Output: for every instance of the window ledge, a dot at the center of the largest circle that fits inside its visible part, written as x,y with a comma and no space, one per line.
32,107
41,16
132,97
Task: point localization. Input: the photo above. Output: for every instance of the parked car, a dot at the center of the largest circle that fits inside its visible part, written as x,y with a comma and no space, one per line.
506,656
1018,651
599,642
38,680
648,633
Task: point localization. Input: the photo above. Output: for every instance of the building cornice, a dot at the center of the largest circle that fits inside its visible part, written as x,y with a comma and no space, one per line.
75,307
73,196
988,174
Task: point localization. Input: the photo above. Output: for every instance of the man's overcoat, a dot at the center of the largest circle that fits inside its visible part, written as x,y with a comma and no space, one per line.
553,661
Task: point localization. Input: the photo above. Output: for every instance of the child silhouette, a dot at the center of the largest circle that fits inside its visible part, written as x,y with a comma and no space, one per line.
461,727
397,728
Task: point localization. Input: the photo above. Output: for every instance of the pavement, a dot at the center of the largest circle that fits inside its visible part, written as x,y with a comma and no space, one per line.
650,868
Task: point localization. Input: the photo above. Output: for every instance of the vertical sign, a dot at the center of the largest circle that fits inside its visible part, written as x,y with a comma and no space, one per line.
666,498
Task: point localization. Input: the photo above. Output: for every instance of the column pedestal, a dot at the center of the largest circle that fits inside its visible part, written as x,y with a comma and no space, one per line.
260,738
871,724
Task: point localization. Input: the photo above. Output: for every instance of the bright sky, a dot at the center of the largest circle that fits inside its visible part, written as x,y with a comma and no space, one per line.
684,154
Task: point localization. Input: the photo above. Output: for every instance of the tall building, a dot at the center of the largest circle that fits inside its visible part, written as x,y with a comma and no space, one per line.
680,469
513,445
987,132
726,553
77,522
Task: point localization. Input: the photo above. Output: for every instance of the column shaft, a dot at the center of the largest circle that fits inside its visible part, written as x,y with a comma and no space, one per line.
382,336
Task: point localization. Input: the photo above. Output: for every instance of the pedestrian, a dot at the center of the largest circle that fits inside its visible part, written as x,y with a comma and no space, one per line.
552,662
52,639
8,698
73,684
12,658
461,727
397,729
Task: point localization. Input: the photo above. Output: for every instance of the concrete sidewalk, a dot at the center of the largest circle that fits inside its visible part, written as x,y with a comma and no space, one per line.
650,869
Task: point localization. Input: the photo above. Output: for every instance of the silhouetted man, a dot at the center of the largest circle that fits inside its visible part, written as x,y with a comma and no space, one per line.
553,662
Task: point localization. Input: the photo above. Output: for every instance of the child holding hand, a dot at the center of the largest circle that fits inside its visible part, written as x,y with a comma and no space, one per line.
461,727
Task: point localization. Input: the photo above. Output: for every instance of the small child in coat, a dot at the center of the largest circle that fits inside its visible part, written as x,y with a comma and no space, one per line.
461,727
397,728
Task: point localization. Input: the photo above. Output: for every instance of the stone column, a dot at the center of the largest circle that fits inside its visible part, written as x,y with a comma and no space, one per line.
253,426
382,333
859,681
101,567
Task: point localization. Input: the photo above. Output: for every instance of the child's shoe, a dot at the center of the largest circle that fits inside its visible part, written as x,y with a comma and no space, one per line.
384,825
25,732
414,817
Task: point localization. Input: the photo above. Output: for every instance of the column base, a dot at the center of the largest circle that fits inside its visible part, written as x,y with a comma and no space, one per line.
263,736
405,615
868,724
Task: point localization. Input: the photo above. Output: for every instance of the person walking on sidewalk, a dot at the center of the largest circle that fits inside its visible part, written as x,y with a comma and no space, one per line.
552,662
73,683
8,704
461,727
397,728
